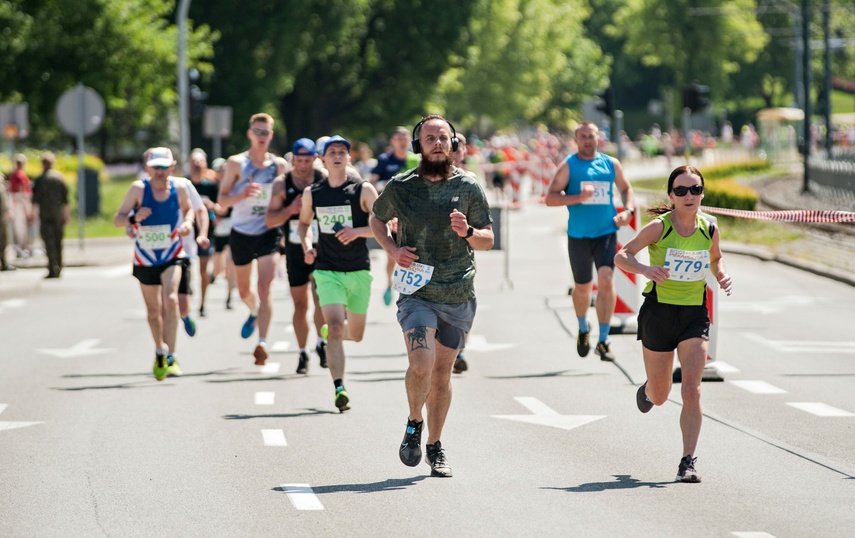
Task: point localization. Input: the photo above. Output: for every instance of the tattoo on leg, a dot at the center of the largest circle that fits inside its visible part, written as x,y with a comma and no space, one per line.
418,338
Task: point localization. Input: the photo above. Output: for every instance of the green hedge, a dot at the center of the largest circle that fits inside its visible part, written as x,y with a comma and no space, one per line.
727,193
66,163
727,171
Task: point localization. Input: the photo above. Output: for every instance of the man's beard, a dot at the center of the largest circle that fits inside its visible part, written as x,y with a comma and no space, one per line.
428,168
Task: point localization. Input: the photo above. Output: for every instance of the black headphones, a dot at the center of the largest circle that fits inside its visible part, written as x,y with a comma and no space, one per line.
417,146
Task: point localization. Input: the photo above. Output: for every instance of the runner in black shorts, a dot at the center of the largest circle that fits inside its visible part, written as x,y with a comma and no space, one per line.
284,210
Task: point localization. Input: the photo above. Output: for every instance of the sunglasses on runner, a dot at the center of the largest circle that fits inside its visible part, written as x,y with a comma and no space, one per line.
682,191
160,168
260,132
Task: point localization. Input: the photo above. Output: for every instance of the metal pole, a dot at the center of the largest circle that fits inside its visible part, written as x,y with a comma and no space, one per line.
826,29
806,74
183,89
618,129
81,178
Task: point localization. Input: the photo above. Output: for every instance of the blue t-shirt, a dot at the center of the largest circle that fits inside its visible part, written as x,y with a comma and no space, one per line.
595,216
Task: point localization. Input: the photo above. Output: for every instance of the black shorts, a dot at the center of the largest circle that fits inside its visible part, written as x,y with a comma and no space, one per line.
184,287
662,326
207,252
586,253
295,263
246,248
220,242
149,275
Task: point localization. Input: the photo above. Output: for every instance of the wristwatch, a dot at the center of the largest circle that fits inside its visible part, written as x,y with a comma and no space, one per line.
469,232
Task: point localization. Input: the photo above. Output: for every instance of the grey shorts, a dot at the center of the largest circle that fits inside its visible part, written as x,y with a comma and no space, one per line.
451,321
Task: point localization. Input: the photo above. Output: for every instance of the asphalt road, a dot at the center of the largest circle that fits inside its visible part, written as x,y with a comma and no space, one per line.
541,442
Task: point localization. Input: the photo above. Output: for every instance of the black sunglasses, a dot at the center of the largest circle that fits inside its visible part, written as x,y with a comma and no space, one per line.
682,191
260,132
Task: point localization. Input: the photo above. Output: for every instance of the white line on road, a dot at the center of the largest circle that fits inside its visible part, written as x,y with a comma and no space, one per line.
758,387
117,271
3,407
752,534
820,409
264,398
270,368
802,346
302,497
11,303
274,438
280,347
724,367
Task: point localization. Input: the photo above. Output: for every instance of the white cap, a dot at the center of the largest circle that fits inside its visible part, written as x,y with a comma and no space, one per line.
159,157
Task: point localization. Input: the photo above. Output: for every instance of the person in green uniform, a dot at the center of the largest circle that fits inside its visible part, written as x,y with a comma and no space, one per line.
683,247
443,217
50,198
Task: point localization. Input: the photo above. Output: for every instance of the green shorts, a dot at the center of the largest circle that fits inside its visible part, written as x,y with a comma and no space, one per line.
352,289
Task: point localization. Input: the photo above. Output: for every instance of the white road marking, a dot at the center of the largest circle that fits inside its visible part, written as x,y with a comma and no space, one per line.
302,497
270,368
546,416
274,438
802,346
80,349
13,425
724,367
280,347
774,306
117,271
264,398
820,409
478,342
758,387
752,534
10,304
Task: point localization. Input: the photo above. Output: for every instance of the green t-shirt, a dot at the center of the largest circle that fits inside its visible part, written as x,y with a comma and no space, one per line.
424,210
688,263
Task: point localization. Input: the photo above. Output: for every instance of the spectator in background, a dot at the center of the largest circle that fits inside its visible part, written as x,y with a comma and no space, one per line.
4,218
50,202
365,161
222,226
21,206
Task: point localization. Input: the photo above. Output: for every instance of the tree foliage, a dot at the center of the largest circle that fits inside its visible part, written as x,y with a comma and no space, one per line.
123,49
528,61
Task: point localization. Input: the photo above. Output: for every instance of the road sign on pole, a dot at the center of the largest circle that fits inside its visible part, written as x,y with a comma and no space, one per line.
217,124
80,112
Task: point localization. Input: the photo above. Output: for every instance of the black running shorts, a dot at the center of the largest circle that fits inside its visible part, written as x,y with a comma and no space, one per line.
149,275
662,326
246,248
586,253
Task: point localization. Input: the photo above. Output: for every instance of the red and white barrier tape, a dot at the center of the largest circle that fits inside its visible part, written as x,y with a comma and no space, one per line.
789,215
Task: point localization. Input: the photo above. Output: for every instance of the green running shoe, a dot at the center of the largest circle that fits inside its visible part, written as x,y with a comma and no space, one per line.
325,331
159,367
342,400
172,367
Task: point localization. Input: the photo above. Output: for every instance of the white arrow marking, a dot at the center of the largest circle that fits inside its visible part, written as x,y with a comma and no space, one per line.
478,342
13,425
84,347
302,497
546,416
820,409
802,346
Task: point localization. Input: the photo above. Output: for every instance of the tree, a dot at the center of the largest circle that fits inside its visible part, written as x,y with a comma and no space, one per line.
527,61
706,45
123,49
357,67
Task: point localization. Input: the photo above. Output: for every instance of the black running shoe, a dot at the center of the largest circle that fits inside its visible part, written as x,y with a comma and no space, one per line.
303,364
686,471
436,458
644,405
605,352
460,365
321,349
583,347
411,446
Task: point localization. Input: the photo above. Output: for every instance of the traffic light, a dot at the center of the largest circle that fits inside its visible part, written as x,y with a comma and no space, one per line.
607,101
696,97
197,102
